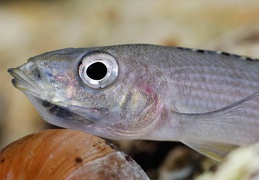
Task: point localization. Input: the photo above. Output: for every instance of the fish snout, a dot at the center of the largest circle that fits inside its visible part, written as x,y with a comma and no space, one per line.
25,76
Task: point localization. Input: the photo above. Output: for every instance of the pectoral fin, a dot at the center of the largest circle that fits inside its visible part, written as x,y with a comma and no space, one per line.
213,150
218,132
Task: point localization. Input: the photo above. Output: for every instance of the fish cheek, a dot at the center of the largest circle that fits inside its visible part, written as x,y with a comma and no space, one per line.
138,112
65,85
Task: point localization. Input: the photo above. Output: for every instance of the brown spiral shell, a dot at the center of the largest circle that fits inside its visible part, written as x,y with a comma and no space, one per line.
66,154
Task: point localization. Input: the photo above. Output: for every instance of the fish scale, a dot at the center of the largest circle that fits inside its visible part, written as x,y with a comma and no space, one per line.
216,84
204,99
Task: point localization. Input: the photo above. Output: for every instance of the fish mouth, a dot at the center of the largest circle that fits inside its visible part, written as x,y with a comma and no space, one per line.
22,82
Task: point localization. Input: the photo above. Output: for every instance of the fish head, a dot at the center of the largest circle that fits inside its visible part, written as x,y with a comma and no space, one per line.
98,90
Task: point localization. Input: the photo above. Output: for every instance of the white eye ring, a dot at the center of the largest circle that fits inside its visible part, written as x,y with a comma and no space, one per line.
98,69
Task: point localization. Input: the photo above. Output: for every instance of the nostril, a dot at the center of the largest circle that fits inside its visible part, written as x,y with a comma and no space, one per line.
35,73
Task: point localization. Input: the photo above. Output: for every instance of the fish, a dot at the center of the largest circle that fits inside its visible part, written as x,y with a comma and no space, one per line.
205,99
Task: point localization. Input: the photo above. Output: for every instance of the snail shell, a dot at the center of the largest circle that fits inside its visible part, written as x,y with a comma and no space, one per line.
66,154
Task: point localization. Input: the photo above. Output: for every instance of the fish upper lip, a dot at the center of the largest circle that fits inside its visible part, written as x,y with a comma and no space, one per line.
21,82
12,72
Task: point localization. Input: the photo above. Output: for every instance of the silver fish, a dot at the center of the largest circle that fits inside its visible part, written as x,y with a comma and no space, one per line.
204,99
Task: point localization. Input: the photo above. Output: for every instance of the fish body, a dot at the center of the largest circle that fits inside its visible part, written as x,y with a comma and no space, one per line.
207,100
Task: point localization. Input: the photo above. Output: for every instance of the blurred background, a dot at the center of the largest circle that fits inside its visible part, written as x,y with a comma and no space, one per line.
29,28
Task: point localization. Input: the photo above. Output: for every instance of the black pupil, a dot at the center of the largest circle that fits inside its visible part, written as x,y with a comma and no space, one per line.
96,71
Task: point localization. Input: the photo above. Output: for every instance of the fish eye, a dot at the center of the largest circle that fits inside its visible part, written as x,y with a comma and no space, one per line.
98,69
